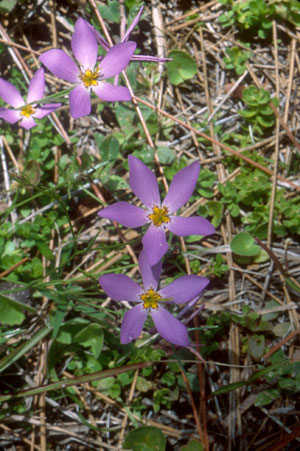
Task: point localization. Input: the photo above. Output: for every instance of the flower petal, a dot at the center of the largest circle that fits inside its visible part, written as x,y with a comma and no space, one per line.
84,44
126,214
170,328
36,86
120,287
132,323
10,116
155,244
143,182
46,109
28,123
150,274
182,187
194,225
184,289
111,93
61,65
116,59
80,101
133,24
10,94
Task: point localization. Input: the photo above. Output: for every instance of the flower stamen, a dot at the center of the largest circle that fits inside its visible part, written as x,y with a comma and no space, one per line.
89,77
159,216
150,298
27,111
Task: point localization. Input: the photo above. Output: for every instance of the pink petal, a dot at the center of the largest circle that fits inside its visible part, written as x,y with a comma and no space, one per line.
170,328
143,182
111,93
134,23
46,109
150,274
155,244
126,214
120,287
80,102
84,45
116,59
132,323
10,116
28,123
10,94
184,289
182,187
61,65
194,225
36,86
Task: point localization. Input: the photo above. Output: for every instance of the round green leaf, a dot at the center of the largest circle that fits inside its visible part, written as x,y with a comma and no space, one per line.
145,438
243,244
181,68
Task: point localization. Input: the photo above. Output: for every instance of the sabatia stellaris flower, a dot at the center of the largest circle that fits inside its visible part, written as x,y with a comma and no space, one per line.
25,112
120,287
159,215
91,74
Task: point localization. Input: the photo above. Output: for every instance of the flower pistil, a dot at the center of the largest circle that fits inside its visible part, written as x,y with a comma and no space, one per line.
159,216
27,111
90,77
150,298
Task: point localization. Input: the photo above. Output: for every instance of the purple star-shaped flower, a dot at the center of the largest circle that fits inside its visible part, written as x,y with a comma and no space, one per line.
25,111
159,215
91,74
148,299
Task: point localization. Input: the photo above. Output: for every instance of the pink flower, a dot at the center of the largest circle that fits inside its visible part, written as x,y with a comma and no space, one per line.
120,287
160,215
90,75
25,111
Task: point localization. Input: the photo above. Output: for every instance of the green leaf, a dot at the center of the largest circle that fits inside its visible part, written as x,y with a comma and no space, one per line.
215,209
145,438
8,5
110,12
256,346
266,397
165,154
193,445
91,337
243,244
181,68
10,312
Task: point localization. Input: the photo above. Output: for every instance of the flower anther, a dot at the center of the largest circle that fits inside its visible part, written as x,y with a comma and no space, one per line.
27,111
90,77
159,216
150,298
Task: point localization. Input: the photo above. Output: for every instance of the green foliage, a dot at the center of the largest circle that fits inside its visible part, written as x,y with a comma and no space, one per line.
258,113
181,68
252,15
193,445
145,438
244,244
237,59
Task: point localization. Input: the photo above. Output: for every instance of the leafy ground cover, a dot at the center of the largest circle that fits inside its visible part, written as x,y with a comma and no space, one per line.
228,100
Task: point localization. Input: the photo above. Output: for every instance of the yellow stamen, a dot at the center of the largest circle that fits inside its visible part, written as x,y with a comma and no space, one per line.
90,77
27,111
150,298
159,216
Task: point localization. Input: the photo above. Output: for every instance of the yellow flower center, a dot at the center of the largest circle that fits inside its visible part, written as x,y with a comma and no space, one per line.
150,298
89,77
159,216
27,111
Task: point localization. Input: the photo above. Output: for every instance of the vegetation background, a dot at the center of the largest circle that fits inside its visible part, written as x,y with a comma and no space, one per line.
229,98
